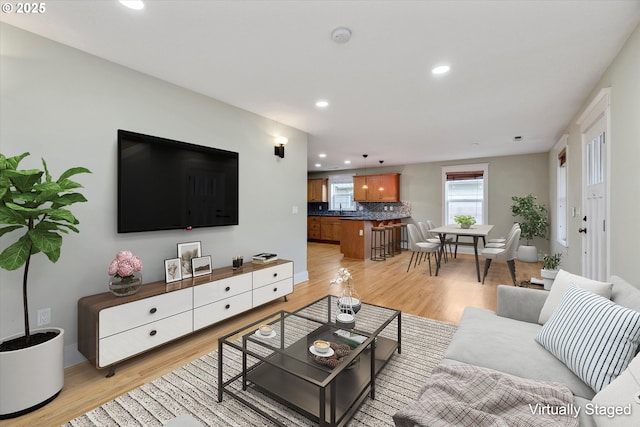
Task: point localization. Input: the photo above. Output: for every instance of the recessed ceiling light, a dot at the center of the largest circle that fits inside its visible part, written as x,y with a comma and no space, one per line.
441,69
322,103
318,165
322,155
347,162
133,4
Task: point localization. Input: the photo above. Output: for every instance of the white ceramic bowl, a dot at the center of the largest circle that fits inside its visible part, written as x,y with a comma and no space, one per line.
321,346
265,330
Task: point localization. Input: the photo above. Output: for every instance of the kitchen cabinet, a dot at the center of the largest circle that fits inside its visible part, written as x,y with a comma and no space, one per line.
313,227
330,228
325,228
390,184
317,190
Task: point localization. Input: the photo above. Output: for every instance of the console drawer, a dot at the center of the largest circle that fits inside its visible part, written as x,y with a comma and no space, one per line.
273,274
126,344
272,291
128,316
221,289
220,310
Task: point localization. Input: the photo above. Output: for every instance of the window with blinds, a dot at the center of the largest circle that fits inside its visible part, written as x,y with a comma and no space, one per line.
465,192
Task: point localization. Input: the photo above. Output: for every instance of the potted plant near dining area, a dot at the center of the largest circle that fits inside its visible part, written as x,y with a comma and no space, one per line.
533,223
31,363
549,271
465,221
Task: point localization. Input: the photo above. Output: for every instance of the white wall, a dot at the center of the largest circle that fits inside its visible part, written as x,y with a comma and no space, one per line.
421,185
622,77
66,106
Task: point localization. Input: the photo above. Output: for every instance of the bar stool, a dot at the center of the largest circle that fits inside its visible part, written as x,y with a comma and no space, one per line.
391,239
403,237
378,243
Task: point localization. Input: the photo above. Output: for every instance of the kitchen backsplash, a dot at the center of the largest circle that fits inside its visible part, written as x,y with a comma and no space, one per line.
362,208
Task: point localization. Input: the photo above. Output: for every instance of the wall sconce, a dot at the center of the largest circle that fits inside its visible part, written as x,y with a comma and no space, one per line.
279,148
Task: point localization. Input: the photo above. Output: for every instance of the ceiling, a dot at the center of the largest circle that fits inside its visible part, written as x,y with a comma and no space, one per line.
518,68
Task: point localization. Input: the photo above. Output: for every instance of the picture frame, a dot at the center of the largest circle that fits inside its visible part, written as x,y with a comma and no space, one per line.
201,266
186,252
172,270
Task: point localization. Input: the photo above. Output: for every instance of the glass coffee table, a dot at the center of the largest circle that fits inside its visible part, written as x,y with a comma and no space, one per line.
283,365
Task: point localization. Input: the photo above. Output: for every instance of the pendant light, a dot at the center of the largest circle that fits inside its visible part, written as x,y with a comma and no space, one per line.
381,187
365,186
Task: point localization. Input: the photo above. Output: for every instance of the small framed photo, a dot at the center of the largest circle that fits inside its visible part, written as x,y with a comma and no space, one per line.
201,265
172,270
186,252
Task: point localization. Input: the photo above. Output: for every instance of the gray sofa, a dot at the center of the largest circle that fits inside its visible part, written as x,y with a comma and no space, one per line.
504,341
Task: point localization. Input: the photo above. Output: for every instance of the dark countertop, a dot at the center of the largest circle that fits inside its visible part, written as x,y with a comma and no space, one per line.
369,216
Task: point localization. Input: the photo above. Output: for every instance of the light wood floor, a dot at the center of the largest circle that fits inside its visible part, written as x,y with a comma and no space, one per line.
385,283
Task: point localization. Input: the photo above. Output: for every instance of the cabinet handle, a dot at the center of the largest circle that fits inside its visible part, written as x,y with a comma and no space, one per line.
275,289
227,289
275,274
228,306
152,333
153,310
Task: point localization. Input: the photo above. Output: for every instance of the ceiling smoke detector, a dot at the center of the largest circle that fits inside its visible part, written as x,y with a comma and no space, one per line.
341,35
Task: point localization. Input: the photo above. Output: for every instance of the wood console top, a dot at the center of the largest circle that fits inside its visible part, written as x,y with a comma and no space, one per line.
107,299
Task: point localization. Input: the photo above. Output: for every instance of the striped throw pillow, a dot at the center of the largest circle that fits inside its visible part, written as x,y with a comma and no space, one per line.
592,336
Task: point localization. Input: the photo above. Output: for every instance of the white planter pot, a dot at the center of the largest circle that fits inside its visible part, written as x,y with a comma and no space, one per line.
548,276
31,377
527,253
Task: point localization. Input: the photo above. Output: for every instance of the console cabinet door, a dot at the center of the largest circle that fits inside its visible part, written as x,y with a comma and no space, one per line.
128,316
211,313
221,289
131,342
273,274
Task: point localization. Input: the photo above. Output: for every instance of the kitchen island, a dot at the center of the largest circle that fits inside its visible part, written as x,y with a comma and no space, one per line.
355,233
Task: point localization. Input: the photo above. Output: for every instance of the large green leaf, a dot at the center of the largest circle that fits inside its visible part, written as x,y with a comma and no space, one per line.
10,216
27,210
62,215
48,242
14,256
67,199
73,171
5,230
11,162
67,184
24,180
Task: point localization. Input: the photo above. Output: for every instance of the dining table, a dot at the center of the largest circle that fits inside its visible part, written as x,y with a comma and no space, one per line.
476,232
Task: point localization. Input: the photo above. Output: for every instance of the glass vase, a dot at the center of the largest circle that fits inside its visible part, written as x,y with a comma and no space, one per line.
123,286
349,304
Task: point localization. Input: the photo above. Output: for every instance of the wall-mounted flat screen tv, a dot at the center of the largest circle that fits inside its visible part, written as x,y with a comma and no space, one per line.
165,184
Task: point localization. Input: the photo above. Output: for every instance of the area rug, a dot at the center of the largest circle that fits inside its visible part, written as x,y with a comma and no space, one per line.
192,389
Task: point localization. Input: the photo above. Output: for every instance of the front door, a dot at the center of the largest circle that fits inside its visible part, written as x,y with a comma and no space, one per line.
594,225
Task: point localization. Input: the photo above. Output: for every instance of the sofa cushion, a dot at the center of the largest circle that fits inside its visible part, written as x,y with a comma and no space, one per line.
508,345
563,280
592,335
625,294
623,392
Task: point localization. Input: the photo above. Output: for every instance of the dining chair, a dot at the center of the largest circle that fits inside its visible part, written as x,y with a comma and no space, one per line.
508,253
501,242
428,236
419,247
448,240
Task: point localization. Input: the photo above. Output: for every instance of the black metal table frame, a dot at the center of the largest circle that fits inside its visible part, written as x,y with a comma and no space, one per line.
329,381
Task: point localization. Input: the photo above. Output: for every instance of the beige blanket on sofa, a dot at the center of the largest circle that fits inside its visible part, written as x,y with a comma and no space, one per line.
466,395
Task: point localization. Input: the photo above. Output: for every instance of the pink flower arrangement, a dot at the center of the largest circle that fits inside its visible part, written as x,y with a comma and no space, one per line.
124,264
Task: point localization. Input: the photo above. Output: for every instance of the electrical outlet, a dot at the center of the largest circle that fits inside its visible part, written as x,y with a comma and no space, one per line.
44,316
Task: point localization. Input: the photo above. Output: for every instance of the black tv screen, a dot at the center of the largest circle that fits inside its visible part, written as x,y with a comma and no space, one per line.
165,184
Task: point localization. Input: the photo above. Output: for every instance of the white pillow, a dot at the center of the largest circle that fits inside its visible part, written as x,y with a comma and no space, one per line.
592,336
563,280
623,393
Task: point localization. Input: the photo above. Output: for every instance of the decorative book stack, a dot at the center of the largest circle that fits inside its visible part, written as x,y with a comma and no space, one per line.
264,258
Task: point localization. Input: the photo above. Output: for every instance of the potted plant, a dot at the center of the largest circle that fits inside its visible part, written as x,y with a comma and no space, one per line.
533,223
31,364
465,221
549,269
